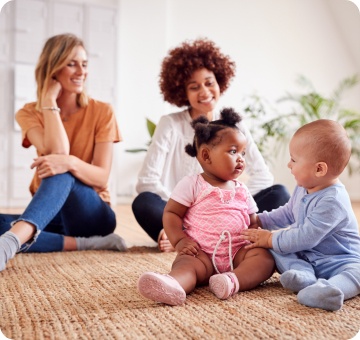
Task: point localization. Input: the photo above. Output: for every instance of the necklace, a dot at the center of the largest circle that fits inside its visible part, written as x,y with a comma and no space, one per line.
67,117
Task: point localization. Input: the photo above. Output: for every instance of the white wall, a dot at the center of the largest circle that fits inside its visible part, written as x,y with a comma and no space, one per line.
142,45
272,42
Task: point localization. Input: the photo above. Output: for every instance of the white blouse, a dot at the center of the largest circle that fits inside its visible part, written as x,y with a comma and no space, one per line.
166,161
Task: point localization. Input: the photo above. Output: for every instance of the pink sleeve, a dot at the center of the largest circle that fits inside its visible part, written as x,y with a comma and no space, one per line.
252,207
185,191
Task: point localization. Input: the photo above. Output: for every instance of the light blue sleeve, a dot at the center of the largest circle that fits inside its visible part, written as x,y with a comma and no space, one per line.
316,227
283,216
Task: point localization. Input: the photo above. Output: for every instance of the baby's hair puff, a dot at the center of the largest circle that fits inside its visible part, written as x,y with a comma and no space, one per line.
207,132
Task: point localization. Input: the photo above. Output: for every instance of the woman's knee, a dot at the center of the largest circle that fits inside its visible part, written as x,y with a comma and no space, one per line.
65,177
142,202
148,197
137,203
148,210
272,197
282,193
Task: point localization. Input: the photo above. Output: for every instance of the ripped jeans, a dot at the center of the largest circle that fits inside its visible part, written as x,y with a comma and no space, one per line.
63,206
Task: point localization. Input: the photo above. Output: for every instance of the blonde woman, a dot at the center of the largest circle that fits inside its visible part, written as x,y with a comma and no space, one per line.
73,135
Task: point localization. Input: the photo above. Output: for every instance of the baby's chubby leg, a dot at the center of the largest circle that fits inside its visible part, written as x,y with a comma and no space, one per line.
186,273
252,267
191,271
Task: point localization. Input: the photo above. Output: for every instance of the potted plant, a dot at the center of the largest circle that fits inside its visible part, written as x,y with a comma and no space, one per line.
272,130
151,129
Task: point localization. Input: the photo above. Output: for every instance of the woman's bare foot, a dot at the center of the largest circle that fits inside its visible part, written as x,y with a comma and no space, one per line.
164,244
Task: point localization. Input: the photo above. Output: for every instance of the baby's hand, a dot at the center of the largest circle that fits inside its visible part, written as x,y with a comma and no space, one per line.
255,222
258,238
187,246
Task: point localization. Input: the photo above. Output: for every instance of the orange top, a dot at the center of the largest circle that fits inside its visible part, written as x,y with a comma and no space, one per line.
92,124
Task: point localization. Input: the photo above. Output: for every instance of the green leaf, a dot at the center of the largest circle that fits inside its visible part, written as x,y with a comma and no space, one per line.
273,134
150,126
135,150
151,129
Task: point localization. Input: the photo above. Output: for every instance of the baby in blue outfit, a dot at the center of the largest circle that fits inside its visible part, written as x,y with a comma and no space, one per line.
314,238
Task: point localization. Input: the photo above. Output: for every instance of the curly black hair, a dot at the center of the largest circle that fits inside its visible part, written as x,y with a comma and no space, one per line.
181,62
206,132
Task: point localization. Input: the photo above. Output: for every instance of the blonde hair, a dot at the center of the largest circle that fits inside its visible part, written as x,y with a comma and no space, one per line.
327,141
54,56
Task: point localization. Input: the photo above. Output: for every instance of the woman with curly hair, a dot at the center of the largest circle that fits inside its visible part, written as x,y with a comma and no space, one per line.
193,75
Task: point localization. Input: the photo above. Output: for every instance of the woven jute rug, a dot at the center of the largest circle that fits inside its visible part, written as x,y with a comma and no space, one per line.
92,295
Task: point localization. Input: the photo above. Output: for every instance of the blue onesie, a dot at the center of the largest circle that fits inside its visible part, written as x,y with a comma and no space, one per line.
316,246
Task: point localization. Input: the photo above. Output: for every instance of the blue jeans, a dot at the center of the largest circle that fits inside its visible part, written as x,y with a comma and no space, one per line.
63,205
148,208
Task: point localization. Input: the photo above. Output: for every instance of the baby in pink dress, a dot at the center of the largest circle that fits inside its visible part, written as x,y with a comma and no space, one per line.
203,220
217,216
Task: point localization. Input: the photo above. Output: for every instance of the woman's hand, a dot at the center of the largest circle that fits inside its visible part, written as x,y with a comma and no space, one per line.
187,246
258,238
51,93
51,165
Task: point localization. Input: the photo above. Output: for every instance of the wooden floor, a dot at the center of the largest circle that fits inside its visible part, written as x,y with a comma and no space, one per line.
129,229
134,235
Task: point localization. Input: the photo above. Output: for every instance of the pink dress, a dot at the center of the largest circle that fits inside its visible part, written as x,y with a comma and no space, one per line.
215,217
